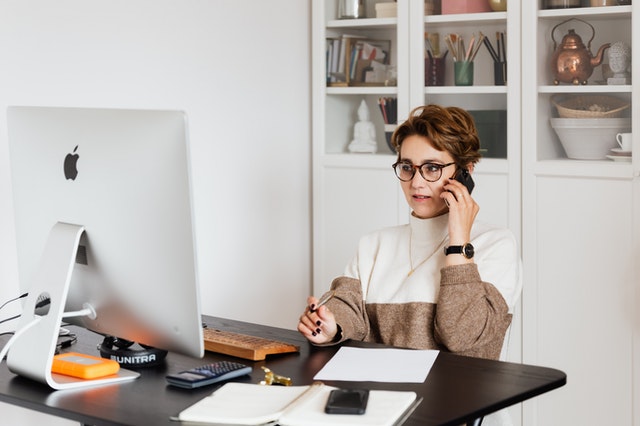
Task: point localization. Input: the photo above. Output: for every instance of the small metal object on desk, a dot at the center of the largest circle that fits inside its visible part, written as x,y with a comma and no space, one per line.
271,378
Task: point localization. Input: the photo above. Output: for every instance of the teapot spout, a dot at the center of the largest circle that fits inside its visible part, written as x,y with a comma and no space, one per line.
597,60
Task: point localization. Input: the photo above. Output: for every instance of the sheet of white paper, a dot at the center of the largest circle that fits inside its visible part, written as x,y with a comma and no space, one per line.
378,365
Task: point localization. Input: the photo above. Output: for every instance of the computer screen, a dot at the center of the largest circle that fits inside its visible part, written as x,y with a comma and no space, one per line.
117,182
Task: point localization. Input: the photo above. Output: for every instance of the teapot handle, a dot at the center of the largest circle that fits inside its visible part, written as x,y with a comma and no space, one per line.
593,32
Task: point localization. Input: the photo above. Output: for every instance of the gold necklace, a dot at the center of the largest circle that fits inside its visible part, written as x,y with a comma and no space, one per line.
411,271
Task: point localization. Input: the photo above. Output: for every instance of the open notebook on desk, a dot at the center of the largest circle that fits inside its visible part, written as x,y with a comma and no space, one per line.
243,345
250,404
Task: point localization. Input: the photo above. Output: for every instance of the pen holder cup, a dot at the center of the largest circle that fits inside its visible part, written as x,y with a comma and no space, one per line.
434,71
500,73
463,73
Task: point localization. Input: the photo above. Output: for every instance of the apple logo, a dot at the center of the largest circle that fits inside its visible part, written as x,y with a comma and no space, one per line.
70,165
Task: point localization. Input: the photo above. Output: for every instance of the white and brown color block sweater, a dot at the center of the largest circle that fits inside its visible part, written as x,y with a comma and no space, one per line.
465,309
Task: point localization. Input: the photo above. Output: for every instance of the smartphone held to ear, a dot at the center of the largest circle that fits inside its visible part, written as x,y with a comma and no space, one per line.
347,401
464,177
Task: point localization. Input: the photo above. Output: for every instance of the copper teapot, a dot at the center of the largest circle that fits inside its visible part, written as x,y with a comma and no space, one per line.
572,62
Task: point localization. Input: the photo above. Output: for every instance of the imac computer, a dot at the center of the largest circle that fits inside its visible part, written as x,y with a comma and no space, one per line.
105,235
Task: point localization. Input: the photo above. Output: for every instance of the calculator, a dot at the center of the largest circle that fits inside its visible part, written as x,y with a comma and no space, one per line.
208,374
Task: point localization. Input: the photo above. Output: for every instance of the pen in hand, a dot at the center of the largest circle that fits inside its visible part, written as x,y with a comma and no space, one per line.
324,299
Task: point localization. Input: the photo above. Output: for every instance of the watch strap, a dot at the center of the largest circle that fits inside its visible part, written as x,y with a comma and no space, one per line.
452,250
466,250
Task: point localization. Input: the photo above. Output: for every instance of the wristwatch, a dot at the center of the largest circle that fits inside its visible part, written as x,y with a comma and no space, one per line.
466,250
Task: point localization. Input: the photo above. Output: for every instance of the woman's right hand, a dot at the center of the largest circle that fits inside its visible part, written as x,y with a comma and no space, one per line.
317,325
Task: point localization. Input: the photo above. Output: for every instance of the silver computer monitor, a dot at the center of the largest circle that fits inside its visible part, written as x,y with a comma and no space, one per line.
119,181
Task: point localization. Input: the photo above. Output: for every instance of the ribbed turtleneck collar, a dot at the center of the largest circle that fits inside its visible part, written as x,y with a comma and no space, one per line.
432,230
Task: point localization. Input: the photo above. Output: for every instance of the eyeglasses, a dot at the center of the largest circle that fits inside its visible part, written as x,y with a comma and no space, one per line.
431,172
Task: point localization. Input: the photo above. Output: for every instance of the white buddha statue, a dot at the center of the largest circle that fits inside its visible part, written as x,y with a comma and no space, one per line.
364,132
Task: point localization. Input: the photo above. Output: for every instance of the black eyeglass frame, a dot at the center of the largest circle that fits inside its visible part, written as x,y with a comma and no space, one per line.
419,168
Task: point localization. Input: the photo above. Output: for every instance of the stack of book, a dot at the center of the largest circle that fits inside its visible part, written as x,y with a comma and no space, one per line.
354,60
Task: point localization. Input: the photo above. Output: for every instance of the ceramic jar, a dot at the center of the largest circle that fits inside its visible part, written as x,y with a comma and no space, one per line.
498,5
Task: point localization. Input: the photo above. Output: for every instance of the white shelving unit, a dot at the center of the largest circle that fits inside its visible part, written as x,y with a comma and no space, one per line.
356,193
352,193
581,236
578,221
499,185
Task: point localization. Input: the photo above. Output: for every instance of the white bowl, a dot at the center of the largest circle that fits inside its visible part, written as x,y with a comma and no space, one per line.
589,138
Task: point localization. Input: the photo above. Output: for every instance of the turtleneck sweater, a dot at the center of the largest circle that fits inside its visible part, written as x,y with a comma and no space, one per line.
398,291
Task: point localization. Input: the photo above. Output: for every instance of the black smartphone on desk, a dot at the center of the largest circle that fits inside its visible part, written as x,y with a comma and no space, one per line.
464,177
347,401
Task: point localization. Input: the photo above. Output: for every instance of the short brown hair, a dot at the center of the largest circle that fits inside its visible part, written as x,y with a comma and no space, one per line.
450,129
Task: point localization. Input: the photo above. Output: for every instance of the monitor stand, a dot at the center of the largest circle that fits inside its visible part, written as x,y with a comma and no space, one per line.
32,351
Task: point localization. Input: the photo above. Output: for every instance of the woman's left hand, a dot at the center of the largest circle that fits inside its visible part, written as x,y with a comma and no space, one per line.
463,210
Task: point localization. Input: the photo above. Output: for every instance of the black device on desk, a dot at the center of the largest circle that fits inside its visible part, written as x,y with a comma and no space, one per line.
347,401
208,374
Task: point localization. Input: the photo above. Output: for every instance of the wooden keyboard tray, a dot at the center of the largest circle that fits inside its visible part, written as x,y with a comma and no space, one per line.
242,345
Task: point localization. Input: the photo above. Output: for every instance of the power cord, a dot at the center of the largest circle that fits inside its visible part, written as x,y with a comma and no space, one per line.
10,319
64,340
23,295
16,335
42,302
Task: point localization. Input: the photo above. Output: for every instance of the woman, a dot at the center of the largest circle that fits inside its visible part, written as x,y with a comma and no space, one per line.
401,288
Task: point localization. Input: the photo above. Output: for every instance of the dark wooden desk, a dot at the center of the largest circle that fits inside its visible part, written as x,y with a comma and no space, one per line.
458,389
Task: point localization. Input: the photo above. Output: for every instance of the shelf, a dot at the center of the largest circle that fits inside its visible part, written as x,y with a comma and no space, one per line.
586,88
609,24
364,23
585,169
605,12
488,18
464,90
362,90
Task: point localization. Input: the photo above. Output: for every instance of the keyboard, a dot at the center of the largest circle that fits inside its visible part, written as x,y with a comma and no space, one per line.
243,345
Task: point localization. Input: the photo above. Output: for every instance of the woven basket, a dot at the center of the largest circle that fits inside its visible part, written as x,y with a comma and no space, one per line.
590,106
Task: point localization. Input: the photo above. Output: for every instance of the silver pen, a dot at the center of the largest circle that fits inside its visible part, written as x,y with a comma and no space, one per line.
324,299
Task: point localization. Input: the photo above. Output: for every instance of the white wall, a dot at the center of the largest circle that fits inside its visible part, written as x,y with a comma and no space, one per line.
241,71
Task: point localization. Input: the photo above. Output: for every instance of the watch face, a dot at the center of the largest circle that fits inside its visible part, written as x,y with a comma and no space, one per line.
468,251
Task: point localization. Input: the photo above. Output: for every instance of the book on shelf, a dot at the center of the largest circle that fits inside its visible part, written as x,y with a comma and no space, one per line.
332,51
253,404
354,60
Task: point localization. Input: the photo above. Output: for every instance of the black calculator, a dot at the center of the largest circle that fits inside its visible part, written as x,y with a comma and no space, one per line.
208,374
